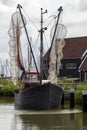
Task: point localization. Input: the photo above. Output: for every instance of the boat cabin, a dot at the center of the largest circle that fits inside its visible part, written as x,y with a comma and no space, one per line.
31,80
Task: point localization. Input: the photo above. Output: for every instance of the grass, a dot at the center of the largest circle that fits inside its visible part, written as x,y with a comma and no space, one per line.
78,87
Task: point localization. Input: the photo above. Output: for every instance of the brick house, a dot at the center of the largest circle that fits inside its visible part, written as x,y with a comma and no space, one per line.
74,62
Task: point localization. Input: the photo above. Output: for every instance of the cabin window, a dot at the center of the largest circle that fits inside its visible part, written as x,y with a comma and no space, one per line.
71,66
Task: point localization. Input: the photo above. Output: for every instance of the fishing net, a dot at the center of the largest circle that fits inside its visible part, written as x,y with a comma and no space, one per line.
56,52
14,32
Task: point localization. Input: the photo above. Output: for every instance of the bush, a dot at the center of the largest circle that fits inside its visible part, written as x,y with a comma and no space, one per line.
8,87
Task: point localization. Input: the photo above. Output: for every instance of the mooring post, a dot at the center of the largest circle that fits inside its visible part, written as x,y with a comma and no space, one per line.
72,104
62,101
84,100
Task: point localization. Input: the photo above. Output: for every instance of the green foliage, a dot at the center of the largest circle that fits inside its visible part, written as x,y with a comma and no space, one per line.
65,80
68,84
8,87
78,97
78,93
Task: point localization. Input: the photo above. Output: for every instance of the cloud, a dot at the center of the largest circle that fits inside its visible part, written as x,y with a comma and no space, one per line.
10,3
7,2
83,5
74,16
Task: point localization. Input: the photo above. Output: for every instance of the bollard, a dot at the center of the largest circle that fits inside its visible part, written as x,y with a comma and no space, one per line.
72,104
84,100
62,101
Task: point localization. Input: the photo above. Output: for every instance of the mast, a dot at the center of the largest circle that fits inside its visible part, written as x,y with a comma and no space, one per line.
52,57
60,10
19,7
41,46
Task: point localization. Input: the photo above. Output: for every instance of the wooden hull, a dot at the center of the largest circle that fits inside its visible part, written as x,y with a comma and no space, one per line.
46,96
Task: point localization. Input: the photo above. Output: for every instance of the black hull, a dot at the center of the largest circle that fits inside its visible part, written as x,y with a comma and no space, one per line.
46,96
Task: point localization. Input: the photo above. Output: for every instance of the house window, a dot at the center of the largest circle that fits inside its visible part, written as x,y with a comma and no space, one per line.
71,66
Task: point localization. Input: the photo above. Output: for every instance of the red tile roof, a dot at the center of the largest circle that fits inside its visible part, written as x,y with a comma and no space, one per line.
74,47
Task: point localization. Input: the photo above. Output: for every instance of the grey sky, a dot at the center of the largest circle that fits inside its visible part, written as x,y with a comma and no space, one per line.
74,17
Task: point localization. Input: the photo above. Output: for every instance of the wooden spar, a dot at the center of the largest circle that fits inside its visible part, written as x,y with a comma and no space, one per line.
19,7
60,10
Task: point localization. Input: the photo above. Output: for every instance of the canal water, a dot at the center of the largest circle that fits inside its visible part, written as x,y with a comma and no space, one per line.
65,119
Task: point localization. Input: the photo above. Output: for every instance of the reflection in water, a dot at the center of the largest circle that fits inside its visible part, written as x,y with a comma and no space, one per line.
84,121
49,122
11,119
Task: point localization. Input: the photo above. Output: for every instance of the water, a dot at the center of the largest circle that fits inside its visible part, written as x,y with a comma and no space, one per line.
11,119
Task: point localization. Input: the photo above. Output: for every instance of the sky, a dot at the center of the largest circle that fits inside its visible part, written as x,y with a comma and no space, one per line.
74,17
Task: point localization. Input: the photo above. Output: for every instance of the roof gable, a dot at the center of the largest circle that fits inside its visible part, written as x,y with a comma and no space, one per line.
83,66
74,47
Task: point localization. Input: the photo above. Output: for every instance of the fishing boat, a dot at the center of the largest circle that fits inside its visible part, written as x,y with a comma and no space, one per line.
34,92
